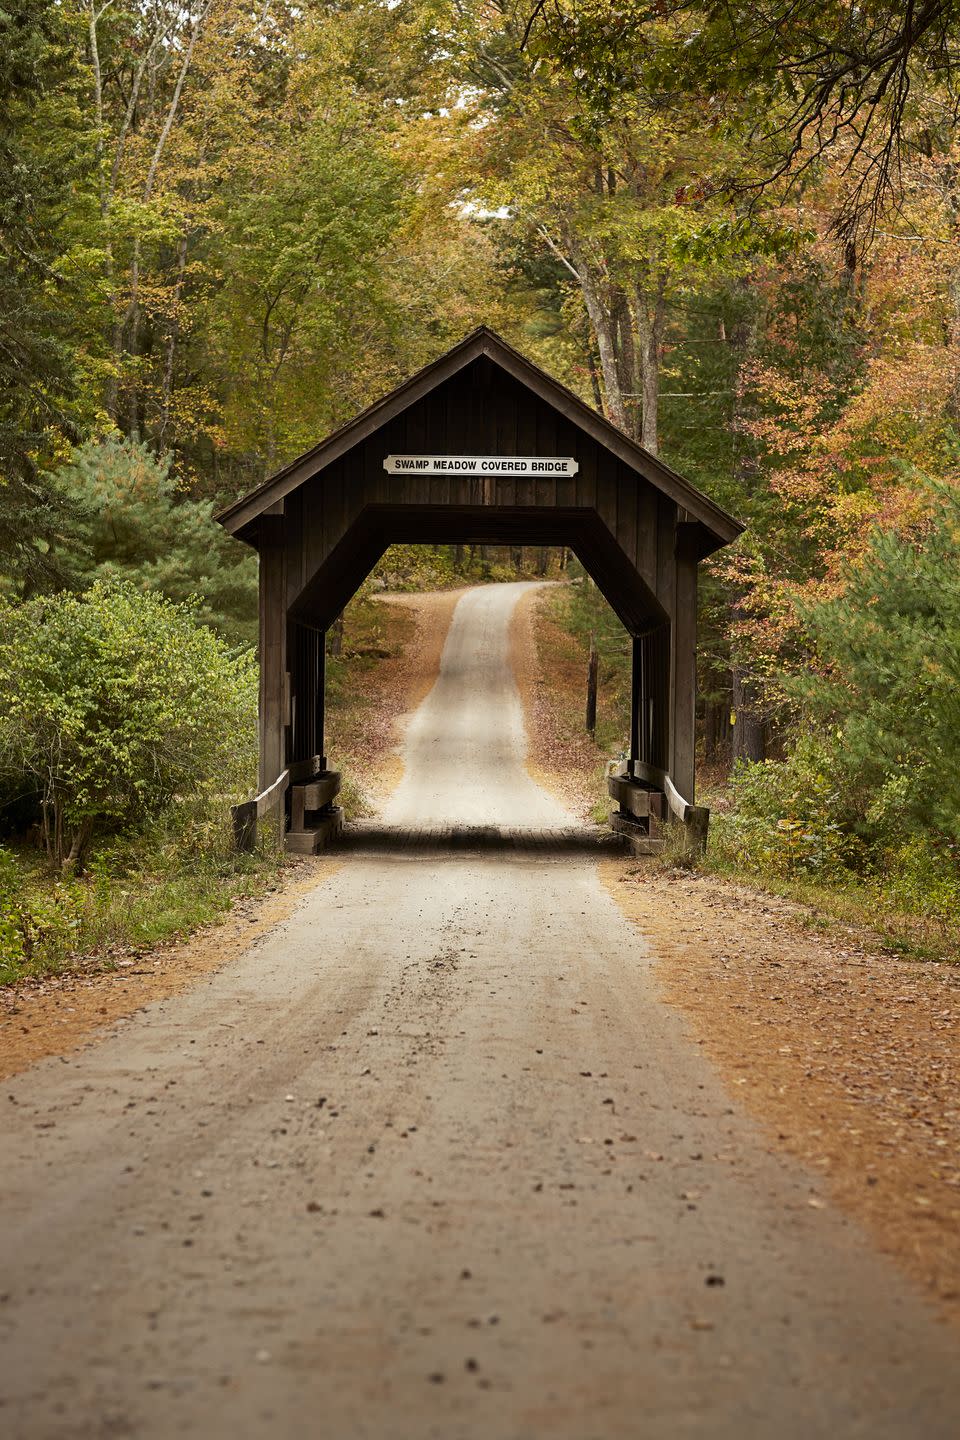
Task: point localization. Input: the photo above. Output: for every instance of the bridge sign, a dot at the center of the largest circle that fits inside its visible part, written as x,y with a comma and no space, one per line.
553,465
323,521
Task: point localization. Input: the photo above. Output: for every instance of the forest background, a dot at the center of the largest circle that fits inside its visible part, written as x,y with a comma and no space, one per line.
225,227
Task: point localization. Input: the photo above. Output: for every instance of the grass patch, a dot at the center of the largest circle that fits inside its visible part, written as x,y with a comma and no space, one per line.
125,903
862,904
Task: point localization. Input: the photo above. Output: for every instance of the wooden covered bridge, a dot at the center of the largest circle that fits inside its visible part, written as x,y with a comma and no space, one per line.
481,447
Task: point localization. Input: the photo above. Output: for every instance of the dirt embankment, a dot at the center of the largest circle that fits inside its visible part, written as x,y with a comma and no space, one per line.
372,732
54,1015
848,1054
561,756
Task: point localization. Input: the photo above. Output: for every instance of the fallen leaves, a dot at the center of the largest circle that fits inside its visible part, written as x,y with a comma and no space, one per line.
852,1060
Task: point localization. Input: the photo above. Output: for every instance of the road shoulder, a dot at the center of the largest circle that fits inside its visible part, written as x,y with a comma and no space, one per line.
846,1053
56,1013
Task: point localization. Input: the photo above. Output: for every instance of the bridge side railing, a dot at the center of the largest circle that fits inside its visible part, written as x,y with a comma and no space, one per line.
247,816
694,818
249,813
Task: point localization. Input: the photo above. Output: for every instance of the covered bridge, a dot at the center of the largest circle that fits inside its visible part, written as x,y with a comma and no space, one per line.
481,447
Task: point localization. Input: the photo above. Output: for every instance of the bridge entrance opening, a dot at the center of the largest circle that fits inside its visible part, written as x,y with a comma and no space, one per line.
480,448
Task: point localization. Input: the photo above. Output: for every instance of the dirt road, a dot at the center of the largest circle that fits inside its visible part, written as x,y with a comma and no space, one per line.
434,1160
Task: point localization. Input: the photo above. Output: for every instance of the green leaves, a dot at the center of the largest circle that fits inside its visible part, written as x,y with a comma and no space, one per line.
887,681
114,704
123,516
45,272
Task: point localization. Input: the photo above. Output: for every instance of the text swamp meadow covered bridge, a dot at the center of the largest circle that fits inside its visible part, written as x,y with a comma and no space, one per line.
481,447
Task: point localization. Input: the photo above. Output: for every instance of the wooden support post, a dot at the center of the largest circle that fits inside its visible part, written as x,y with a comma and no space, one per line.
637,751
320,699
592,668
245,826
683,668
273,658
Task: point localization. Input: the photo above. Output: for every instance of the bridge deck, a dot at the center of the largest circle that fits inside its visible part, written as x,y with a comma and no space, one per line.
560,841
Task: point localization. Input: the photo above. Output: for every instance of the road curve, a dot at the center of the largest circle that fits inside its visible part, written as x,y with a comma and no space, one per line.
433,1161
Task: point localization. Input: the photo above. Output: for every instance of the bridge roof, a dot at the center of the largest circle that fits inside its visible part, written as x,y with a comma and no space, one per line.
720,526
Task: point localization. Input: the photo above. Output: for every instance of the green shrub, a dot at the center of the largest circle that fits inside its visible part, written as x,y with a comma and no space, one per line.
871,792
922,877
421,567
787,817
117,704
884,685
35,921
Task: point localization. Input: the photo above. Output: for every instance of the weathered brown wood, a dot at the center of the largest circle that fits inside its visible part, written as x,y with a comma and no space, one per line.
273,627
322,791
638,745
323,522
640,840
683,669
698,821
629,795
306,799
245,826
246,815
269,799
297,809
301,770
318,836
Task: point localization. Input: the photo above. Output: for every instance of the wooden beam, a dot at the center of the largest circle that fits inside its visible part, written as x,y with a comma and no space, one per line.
683,669
302,770
273,660
247,815
715,526
629,795
270,798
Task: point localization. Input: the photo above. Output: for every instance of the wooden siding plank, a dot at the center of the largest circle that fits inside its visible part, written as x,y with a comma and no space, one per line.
684,664
626,525
648,525
273,627
569,442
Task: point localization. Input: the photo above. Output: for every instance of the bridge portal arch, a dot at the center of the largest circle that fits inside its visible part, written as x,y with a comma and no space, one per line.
481,447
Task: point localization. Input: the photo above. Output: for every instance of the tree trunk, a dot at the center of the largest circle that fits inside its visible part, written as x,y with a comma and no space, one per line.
78,848
131,319
627,363
167,391
716,731
651,312
749,726
603,328
593,666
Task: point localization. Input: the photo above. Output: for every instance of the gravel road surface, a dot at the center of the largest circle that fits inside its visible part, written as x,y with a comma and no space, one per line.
433,1159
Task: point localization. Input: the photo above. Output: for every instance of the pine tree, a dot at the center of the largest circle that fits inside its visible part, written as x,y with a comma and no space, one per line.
886,687
127,520
43,151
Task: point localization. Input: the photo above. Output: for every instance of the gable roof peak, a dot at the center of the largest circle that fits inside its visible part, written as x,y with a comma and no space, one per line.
719,525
